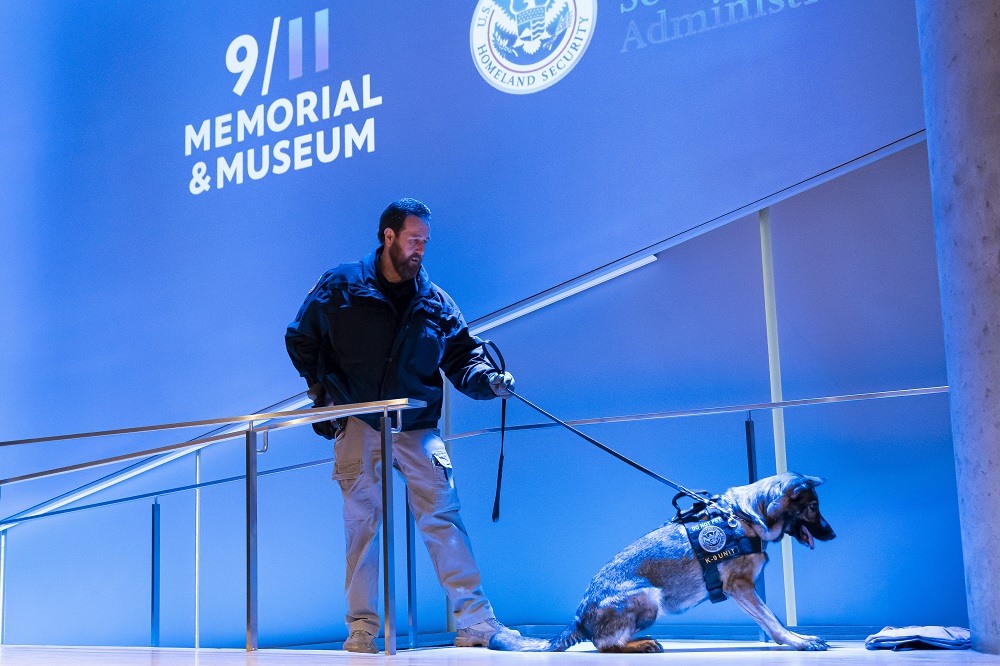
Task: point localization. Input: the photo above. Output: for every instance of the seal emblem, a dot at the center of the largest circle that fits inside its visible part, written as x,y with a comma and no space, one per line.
712,539
523,46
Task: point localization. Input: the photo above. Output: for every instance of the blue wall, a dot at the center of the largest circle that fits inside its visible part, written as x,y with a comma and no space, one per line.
858,311
129,300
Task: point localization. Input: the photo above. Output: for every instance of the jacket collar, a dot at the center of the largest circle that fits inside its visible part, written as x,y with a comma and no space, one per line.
369,276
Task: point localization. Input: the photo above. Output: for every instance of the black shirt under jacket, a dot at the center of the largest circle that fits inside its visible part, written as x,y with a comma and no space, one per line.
349,337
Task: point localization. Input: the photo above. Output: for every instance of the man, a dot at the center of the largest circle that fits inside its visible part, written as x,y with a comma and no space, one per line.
380,329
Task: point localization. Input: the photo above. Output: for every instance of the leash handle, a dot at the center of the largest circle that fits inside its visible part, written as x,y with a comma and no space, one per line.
502,368
502,365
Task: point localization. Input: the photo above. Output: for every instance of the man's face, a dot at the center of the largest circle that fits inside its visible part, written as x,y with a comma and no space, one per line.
406,249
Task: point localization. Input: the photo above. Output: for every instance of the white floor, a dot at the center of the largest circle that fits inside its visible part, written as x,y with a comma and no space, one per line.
675,652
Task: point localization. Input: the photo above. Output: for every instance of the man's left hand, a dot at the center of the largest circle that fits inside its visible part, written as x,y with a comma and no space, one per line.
502,384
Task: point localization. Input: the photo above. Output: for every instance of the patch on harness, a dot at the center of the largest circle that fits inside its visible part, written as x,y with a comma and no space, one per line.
712,539
715,541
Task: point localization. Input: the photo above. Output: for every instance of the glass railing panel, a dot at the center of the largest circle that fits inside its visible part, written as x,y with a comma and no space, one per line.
567,507
891,497
80,582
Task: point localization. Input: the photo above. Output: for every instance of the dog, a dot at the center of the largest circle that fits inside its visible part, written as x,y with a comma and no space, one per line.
659,573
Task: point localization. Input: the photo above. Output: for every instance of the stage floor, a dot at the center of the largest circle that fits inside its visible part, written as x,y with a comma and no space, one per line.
676,652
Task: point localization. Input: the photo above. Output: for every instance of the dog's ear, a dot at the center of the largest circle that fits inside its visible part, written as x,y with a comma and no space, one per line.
800,483
757,505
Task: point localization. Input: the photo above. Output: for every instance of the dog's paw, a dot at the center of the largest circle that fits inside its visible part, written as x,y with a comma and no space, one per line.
810,643
645,645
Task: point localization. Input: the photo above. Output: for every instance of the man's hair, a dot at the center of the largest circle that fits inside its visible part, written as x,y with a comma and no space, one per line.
395,215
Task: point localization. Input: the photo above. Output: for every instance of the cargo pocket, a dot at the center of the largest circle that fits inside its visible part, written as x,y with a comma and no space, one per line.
443,464
357,499
347,456
447,495
346,472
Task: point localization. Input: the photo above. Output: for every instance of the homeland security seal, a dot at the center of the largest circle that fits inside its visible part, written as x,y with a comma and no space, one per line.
523,46
712,539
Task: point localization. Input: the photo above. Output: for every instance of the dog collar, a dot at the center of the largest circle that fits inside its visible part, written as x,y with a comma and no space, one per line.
717,540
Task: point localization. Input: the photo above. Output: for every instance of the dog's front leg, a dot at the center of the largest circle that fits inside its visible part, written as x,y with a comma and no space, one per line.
744,594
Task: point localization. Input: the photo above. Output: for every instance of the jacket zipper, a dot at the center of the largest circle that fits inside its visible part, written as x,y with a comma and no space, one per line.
397,342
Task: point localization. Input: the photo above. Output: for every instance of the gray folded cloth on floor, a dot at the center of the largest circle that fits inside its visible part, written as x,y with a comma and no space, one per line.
920,638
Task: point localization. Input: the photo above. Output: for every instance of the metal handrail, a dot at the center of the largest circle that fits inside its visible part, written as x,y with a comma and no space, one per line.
473,433
56,471
144,465
333,411
930,390
166,491
280,420
251,431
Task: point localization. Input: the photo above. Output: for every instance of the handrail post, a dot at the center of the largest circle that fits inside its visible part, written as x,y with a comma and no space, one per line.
197,550
251,488
446,402
752,476
411,573
388,555
3,586
154,611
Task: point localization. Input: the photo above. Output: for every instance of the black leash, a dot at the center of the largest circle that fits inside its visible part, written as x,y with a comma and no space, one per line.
502,368
701,498
681,489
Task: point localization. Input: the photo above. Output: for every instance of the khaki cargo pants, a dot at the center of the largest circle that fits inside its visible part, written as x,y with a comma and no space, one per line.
421,458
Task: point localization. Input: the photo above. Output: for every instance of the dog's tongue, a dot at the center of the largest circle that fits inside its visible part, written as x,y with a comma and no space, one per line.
808,537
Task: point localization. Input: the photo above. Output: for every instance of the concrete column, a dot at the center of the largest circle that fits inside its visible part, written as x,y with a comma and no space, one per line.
960,54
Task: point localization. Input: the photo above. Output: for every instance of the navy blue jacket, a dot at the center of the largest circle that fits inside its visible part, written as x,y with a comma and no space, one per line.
349,337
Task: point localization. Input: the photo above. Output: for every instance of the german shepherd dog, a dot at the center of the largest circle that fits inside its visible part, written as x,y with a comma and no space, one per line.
659,573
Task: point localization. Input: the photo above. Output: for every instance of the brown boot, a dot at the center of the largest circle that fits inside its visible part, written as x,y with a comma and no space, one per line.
361,641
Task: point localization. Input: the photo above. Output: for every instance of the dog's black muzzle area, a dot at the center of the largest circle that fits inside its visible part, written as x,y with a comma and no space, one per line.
806,532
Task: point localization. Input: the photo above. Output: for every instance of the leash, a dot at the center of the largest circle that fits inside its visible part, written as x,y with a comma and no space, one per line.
701,498
502,368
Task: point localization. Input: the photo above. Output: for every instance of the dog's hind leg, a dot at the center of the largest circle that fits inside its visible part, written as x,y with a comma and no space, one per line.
744,594
614,621
639,645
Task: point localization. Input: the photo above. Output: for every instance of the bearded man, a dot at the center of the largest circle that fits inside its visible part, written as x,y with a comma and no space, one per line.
379,329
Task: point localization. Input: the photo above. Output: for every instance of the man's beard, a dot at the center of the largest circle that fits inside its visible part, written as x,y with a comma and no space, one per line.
405,268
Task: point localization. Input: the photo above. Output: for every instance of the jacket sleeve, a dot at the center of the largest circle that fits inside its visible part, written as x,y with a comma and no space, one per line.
304,336
464,362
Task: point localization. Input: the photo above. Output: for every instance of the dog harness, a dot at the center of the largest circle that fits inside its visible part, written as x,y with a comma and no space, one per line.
716,535
717,540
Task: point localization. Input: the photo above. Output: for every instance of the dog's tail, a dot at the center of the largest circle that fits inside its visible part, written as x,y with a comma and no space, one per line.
508,641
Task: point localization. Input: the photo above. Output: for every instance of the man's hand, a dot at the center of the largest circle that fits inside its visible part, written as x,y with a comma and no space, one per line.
317,394
502,384
327,429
